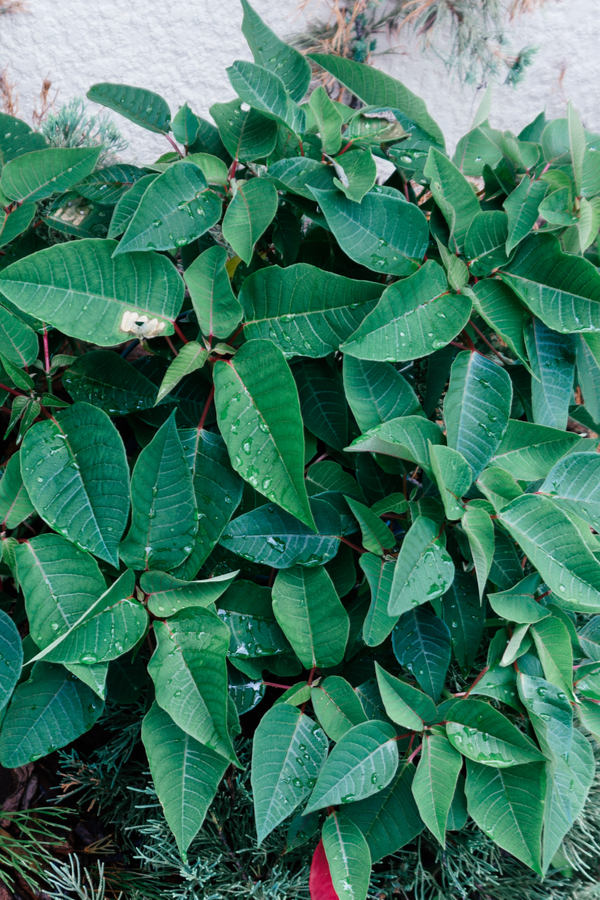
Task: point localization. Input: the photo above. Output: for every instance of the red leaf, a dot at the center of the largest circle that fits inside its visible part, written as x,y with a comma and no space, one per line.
320,883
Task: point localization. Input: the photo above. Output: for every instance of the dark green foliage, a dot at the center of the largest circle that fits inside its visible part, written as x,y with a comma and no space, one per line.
319,487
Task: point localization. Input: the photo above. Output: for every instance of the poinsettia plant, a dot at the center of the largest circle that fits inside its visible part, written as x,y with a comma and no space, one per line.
286,439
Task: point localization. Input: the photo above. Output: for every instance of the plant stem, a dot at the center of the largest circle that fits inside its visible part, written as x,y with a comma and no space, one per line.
180,333
477,680
207,406
173,145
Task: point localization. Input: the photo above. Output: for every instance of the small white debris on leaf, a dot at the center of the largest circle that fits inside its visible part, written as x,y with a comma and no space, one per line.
141,326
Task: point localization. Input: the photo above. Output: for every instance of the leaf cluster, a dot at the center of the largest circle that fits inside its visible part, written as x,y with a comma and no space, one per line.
301,445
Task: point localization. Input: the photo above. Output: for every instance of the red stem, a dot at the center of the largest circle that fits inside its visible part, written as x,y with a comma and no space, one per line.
282,687
180,333
46,351
173,144
484,339
347,147
170,343
207,406
414,753
477,680
5,387
350,544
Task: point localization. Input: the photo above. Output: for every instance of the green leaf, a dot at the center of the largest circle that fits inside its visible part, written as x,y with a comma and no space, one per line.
218,310
127,205
217,488
375,87
11,653
356,173
336,706
529,451
500,307
328,476
136,104
435,782
190,358
404,704
78,288
376,392
407,323
552,358
328,119
408,437
66,463
363,762
18,342
422,644
376,537
424,570
107,185
589,713
568,785
189,672
247,612
483,734
556,548
113,625
246,133
259,417
311,615
17,138
164,520
479,529
46,712
390,818
288,752
518,604
348,856
60,584
464,615
477,149
37,175
572,483
305,310
107,381
508,805
498,487
300,175
454,196
522,210
270,51
322,401
15,504
168,595
476,408
185,125
550,713
485,242
589,638
185,774
176,208
265,91
559,288
275,538
379,572
553,645
453,475
15,223
249,215
384,233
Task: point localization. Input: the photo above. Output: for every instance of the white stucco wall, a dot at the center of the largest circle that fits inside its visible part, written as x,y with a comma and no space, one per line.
181,49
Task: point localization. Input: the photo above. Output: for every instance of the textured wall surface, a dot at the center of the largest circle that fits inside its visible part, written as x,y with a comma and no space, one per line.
181,49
